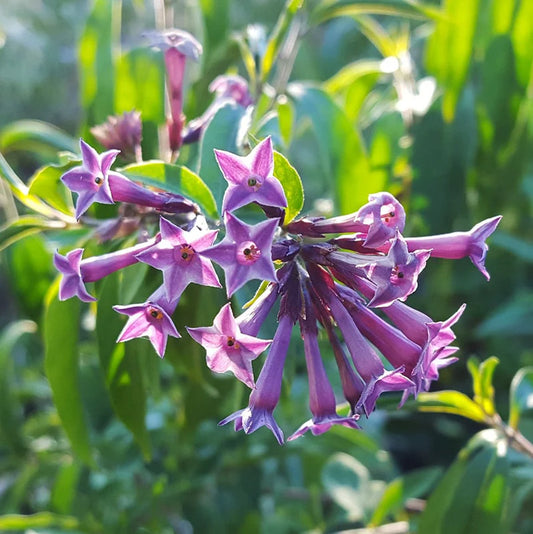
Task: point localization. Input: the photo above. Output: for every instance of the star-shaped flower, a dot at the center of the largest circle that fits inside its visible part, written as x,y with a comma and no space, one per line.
396,275
250,178
228,349
90,179
72,281
245,253
150,319
179,256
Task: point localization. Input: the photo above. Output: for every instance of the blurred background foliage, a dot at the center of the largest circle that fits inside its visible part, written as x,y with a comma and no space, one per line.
431,101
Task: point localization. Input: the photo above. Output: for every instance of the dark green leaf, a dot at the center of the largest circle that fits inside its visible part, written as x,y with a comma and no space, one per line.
34,136
61,324
414,484
515,318
292,185
225,131
520,395
175,179
120,365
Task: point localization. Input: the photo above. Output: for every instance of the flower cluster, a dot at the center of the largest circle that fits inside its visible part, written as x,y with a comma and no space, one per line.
347,276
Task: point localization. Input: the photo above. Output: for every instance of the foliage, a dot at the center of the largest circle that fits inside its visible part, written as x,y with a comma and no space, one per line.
359,97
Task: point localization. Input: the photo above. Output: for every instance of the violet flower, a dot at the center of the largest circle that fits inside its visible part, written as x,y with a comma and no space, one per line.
150,319
250,321
77,272
265,397
250,178
179,255
458,245
245,253
177,45
321,397
396,275
90,180
228,348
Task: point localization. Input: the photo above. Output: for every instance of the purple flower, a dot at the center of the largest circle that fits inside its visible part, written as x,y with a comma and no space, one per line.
396,275
250,178
150,319
179,256
264,399
245,253
321,397
177,45
229,349
77,272
90,179
460,244
251,320
123,132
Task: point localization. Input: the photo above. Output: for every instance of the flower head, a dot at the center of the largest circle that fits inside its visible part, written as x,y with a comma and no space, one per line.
72,282
179,256
229,349
245,253
250,178
150,319
90,179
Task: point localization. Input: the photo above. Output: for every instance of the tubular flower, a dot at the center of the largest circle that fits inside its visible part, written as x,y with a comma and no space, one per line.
228,348
353,286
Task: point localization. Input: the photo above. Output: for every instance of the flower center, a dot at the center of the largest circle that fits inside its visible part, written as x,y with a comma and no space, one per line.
248,253
232,343
98,180
185,253
388,214
396,275
254,182
155,313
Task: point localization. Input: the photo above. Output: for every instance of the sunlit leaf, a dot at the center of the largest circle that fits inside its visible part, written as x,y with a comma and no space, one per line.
482,383
46,184
292,185
450,402
175,179
61,325
350,74
39,520
23,227
520,395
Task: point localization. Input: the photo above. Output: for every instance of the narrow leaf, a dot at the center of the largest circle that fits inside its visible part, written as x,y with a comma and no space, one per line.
450,402
520,395
292,185
61,324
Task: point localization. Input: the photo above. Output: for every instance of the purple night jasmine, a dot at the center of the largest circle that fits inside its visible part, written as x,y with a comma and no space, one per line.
179,255
229,349
245,253
250,178
460,244
77,272
90,180
150,319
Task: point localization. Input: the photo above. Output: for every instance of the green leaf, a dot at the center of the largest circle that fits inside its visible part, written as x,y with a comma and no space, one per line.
350,74
61,324
414,484
514,318
64,489
348,482
330,9
120,365
455,34
38,520
278,34
292,185
97,73
46,183
482,383
522,38
32,135
140,84
10,412
225,131
345,162
472,496
175,179
25,226
450,402
520,395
